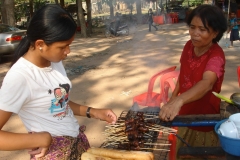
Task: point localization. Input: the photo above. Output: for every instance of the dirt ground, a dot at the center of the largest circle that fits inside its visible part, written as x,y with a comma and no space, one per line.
109,72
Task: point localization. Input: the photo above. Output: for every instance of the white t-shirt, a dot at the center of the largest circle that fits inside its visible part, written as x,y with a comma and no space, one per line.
40,97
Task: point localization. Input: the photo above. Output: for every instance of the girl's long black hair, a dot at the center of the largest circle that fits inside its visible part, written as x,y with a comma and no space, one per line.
51,24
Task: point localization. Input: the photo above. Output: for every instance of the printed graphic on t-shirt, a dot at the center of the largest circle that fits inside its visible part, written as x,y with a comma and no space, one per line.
59,105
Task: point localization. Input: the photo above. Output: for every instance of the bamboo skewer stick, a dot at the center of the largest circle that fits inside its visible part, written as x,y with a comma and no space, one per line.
148,135
158,149
116,133
154,127
158,144
151,118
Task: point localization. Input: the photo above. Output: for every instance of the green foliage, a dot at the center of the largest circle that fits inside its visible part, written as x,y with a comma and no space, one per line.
21,10
39,3
192,3
22,7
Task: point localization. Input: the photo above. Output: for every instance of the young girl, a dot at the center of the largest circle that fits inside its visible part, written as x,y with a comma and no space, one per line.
37,89
234,35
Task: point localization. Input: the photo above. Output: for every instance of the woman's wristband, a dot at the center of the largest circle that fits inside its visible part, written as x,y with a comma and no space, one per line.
88,112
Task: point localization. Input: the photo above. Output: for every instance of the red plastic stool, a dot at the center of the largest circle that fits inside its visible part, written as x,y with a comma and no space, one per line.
175,18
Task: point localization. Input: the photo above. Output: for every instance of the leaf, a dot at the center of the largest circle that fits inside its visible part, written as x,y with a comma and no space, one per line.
223,98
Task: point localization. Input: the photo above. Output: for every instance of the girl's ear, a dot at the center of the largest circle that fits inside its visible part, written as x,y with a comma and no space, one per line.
39,43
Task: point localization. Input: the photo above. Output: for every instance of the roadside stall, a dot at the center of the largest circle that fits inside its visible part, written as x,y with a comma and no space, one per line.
139,133
172,14
158,138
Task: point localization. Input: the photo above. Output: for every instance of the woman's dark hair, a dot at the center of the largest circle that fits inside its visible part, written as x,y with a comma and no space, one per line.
51,23
211,16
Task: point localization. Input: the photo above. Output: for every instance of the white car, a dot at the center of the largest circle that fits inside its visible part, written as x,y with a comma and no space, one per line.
10,37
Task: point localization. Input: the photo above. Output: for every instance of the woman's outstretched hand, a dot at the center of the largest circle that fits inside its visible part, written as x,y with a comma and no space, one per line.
171,109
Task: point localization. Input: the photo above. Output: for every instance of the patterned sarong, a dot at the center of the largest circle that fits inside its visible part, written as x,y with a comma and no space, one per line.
66,147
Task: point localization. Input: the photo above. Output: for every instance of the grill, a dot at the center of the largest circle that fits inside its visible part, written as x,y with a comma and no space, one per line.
178,121
153,137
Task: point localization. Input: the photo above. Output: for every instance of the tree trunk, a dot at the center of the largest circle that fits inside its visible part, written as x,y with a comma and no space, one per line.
62,3
31,8
89,16
111,10
82,19
7,11
56,1
139,11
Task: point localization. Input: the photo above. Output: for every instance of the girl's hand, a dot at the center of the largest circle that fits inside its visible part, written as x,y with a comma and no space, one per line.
39,152
42,150
104,114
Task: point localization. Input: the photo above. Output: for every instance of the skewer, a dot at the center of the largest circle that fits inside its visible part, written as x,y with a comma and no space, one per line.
153,127
156,149
121,130
168,128
149,115
151,118
120,124
157,144
116,133
148,134
117,139
121,120
156,125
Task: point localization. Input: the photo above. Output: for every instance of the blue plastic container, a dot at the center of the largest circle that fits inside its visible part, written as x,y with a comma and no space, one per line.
229,145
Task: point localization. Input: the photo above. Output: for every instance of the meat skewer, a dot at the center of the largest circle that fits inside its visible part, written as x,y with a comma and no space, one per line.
133,133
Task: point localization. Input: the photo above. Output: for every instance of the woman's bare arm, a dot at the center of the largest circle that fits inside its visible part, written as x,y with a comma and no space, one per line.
102,114
79,110
172,108
176,90
16,141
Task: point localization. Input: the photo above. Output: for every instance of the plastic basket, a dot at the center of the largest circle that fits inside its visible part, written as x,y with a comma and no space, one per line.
229,145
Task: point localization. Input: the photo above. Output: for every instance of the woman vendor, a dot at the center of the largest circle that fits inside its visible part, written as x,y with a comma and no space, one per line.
201,72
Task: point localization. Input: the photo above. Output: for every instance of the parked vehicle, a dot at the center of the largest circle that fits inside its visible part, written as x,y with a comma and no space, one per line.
10,37
122,30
